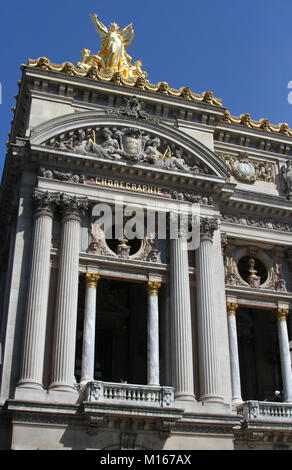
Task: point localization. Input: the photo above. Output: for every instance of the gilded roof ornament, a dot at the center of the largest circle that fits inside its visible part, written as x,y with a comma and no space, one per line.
112,58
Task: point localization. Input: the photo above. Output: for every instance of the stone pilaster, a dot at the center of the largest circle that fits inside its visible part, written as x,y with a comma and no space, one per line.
31,375
67,294
153,333
284,353
181,323
233,351
209,371
87,370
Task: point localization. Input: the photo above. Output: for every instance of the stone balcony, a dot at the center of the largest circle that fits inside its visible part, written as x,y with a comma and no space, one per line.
264,425
123,393
266,412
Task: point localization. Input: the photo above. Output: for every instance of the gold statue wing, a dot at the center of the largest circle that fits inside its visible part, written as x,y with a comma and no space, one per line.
127,34
100,28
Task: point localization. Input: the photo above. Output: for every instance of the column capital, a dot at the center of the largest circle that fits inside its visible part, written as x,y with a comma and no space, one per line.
73,206
208,225
44,202
231,308
153,287
91,279
282,313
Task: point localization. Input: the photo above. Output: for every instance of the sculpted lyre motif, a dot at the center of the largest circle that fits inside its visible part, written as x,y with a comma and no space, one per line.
112,56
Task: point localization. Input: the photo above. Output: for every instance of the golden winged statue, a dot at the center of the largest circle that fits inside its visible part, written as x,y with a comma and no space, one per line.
112,56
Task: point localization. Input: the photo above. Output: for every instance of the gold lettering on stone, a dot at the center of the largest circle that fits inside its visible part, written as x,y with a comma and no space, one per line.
126,185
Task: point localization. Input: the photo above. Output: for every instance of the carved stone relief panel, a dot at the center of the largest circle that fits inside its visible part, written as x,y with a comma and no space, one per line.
127,144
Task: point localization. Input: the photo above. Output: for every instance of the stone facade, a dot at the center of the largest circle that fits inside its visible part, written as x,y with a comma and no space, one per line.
108,344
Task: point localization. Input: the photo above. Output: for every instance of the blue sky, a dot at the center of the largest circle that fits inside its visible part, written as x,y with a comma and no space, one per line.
242,51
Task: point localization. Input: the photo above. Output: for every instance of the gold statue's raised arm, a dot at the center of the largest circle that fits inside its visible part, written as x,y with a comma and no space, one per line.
100,28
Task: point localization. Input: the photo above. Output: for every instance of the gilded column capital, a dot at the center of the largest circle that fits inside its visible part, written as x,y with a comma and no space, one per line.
231,308
208,225
153,287
282,314
45,202
73,206
91,279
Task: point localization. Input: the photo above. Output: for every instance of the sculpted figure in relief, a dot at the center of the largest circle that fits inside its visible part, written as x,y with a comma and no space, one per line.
286,177
130,144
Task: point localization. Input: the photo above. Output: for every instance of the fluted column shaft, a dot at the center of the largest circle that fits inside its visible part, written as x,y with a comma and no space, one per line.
153,333
181,325
63,363
285,354
31,375
88,349
209,373
233,351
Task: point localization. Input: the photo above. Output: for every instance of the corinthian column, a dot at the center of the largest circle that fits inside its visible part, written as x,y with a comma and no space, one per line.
233,351
31,375
181,324
209,374
63,363
284,353
87,370
153,333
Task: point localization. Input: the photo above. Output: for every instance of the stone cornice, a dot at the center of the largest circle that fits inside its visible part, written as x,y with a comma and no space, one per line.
93,74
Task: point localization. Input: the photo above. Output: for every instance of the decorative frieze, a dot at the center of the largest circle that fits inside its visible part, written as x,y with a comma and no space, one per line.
62,175
192,197
126,144
259,222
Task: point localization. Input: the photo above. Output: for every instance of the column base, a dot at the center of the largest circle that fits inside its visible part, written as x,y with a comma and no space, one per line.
184,397
61,387
29,393
211,399
30,384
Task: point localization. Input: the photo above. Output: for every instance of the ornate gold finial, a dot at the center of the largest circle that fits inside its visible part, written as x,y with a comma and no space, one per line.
112,56
231,308
153,287
282,314
91,279
251,263
123,240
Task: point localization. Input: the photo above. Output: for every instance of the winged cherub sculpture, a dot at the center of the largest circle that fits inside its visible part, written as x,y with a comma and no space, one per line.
112,56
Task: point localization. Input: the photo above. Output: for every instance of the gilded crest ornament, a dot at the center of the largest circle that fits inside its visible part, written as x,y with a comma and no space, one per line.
241,168
247,171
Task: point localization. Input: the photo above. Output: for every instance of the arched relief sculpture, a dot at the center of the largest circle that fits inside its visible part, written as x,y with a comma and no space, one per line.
130,145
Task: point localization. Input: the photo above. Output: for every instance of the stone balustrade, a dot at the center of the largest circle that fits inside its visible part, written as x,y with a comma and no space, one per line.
110,392
265,411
